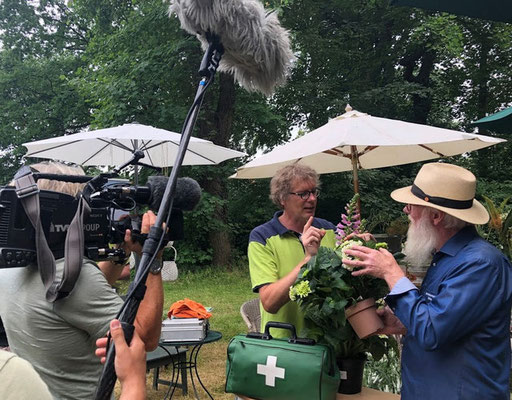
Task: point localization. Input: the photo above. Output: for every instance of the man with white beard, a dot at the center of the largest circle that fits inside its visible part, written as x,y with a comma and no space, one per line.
456,326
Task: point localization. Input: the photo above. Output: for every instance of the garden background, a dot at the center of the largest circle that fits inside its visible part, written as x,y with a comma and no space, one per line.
70,65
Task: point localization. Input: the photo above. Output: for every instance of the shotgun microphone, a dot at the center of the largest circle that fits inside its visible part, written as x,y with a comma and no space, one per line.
187,193
257,49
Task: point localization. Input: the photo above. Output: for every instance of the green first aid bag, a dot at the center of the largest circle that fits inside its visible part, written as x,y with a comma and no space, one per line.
264,368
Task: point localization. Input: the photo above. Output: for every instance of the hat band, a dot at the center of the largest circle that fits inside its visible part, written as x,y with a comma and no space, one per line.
441,201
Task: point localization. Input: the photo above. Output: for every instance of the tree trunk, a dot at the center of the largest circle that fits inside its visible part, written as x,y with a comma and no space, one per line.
421,104
481,81
216,184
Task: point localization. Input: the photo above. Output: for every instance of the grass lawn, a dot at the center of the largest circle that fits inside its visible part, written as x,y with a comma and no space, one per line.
225,291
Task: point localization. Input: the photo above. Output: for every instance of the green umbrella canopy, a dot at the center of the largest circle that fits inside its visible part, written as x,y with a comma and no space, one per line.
495,10
501,122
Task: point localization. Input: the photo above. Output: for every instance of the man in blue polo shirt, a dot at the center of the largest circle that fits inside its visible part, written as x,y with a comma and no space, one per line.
456,344
280,247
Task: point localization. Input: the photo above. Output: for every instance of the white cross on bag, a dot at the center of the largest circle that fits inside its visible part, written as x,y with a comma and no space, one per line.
271,371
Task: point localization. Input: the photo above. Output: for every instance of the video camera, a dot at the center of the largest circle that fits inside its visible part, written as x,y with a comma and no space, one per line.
110,200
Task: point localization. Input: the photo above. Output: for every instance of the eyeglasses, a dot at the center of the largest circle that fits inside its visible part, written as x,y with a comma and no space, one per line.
305,195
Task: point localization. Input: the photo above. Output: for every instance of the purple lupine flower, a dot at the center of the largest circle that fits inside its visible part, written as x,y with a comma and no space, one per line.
350,221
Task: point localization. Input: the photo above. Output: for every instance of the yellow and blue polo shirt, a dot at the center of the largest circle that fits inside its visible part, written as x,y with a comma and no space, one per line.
273,252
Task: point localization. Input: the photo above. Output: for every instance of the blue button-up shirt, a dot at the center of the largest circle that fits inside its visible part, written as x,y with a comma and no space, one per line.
458,324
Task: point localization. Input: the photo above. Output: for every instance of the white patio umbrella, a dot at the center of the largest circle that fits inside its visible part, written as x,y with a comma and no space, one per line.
115,146
357,140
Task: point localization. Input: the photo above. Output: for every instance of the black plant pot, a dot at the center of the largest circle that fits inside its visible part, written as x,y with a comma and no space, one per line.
351,375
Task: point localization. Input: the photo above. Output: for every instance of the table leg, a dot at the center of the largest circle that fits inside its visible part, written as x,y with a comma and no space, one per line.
195,353
178,367
173,382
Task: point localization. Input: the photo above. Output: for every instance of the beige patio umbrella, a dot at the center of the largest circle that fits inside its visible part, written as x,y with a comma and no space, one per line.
356,140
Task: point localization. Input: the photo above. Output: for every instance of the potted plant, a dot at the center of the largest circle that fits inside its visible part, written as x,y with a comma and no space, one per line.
325,289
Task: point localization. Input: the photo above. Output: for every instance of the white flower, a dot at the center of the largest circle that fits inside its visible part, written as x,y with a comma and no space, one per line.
347,244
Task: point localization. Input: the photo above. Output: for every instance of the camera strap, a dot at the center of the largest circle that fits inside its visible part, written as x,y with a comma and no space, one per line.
28,193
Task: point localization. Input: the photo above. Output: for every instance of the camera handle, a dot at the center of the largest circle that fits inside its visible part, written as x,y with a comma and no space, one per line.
209,65
137,155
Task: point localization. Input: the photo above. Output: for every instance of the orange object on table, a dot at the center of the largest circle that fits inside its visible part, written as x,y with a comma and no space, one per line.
187,308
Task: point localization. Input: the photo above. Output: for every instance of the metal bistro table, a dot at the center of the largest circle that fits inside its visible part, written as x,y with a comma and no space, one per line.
191,364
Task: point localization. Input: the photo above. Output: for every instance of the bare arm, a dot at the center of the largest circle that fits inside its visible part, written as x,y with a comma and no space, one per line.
275,295
111,270
148,321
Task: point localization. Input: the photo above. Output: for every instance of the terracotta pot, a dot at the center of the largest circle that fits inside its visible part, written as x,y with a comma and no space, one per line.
351,374
363,317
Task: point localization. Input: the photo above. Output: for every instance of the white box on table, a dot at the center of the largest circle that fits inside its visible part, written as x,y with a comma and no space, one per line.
184,329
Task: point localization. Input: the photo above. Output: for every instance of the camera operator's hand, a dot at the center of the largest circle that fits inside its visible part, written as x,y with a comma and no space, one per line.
129,245
130,361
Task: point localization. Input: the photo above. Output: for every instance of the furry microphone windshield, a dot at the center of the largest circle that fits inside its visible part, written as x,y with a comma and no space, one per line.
256,48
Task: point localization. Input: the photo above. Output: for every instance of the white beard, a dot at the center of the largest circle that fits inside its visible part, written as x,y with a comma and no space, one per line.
421,242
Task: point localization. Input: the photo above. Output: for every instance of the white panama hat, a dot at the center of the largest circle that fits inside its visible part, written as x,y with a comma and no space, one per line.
448,188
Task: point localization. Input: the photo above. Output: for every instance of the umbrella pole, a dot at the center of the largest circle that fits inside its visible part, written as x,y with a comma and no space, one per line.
136,167
354,158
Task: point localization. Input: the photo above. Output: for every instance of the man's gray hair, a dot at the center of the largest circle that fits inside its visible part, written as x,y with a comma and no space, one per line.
53,167
281,183
449,221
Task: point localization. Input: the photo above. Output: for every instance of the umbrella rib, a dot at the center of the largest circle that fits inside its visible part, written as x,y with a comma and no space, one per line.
432,150
336,152
54,147
188,150
107,143
144,148
116,143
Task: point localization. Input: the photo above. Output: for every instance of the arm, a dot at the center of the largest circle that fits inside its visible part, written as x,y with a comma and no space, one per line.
463,301
148,321
111,270
274,295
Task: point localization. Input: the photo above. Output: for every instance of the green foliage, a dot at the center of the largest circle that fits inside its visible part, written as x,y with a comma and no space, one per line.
499,228
384,374
332,288
194,251
69,65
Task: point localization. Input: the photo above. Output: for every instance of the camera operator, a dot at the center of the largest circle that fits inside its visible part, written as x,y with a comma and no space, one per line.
58,338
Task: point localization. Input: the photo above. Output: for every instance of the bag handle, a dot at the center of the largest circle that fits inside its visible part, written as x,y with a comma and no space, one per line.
281,325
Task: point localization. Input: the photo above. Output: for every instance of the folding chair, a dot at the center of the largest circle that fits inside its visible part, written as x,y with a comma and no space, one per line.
250,311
